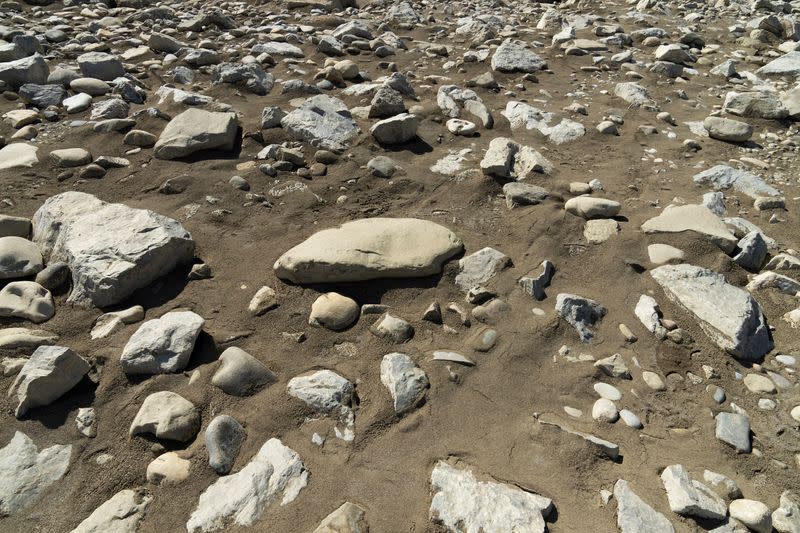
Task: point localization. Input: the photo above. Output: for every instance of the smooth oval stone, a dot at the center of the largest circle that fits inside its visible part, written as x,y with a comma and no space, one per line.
609,392
630,419
224,437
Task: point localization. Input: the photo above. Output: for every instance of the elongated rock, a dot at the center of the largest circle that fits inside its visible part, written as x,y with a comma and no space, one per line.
49,373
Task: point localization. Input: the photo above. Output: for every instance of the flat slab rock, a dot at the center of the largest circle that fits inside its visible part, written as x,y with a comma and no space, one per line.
26,472
463,503
119,514
370,248
694,218
727,314
111,249
634,515
275,472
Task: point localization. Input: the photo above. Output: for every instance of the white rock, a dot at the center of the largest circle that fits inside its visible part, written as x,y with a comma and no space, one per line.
689,497
263,300
49,373
604,410
13,338
696,219
108,323
119,514
609,392
648,312
480,267
18,155
348,518
28,300
167,415
324,391
168,469
634,515
19,258
754,514
405,380
162,345
195,130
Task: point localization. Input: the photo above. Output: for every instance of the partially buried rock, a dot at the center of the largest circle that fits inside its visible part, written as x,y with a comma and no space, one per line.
224,437
523,194
405,380
726,129
348,518
514,57
111,249
753,514
323,121
163,344
19,258
370,248
581,313
28,300
168,469
241,374
689,497
324,391
333,311
167,415
614,366
54,276
393,329
589,207
634,515
734,429
49,374
121,513
108,323
13,338
696,219
480,267
195,130
263,300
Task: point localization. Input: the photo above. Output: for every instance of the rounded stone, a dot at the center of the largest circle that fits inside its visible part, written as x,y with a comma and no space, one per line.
604,410
754,514
795,412
759,384
589,207
241,374
19,258
609,392
224,437
653,380
53,275
168,468
630,419
333,311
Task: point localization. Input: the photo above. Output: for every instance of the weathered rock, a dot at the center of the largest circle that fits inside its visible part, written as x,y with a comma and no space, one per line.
31,69
786,518
11,226
523,194
348,518
734,429
195,130
589,207
580,313
275,472
392,328
481,266
12,338
753,514
614,366
121,513
534,284
726,129
168,469
786,65
695,218
723,177
54,276
634,515
250,77
167,415
70,157
108,323
224,437
333,311
689,497
758,104
727,314
100,65
405,380
49,374
514,57
18,155
163,344
396,130
367,249
323,121
648,312
462,503
19,258
28,300
263,300
26,472
111,249
241,374
633,93
324,391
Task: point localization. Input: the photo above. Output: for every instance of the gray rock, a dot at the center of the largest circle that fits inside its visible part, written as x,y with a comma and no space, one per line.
734,429
47,375
580,313
271,117
31,69
689,497
405,380
752,251
250,77
19,258
523,194
24,338
167,415
614,366
42,96
726,129
108,109
534,284
277,49
111,249
241,374
634,515
70,157
786,65
723,177
515,57
649,313
633,93
159,42
195,130
25,472
387,102
162,345
325,391
323,121
786,518
100,65
723,485
11,226
224,437
480,267
54,275
275,473
28,300
367,249
757,104
696,219
121,513
382,166
395,130
727,314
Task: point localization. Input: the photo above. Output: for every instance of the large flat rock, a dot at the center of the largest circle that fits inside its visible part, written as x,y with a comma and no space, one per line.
727,314
370,248
693,218
111,249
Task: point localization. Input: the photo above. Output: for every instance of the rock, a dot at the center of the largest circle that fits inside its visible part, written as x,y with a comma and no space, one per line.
674,53
773,280
753,514
86,422
723,485
759,384
462,503
50,373
396,130
42,96
25,472
648,312
90,86
13,338
534,284
195,130
19,258
479,267
168,469
18,155
727,314
387,102
167,415
608,127
752,251
143,139
100,65
757,104
11,226
250,77
348,518
634,515
614,366
277,49
241,374
514,57
31,69
70,157
786,518
726,129
688,497
630,419
604,410
110,109
653,381
609,392
224,437
600,230
695,218
162,345
54,276
523,194
723,177
159,42
111,249
734,429
333,311
28,300
325,391
393,329
263,300
323,121
507,159
367,249
660,254
276,471
271,117
580,313
121,513
633,93
108,323
786,65
589,207
405,380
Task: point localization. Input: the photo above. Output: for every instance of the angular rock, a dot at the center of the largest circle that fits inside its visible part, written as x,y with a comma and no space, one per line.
323,121
31,69
634,515
694,218
523,194
514,57
167,415
786,518
121,513
481,266
100,65
786,65
241,374
580,313
726,129
168,469
689,497
392,328
50,373
405,380
25,472
162,345
534,284
250,77
753,514
195,130
734,429
18,155
723,177
108,323
325,391
348,518
396,130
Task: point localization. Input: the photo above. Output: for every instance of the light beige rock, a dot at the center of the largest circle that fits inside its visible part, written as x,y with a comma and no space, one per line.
333,311
168,469
18,155
108,323
28,300
661,254
195,130
70,157
263,300
592,207
599,231
19,258
694,218
348,518
759,384
12,338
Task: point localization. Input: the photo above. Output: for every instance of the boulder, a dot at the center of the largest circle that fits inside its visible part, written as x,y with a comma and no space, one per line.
25,472
405,380
162,345
111,249
370,248
167,415
47,375
727,314
119,514
42,96
195,130
31,69
19,258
